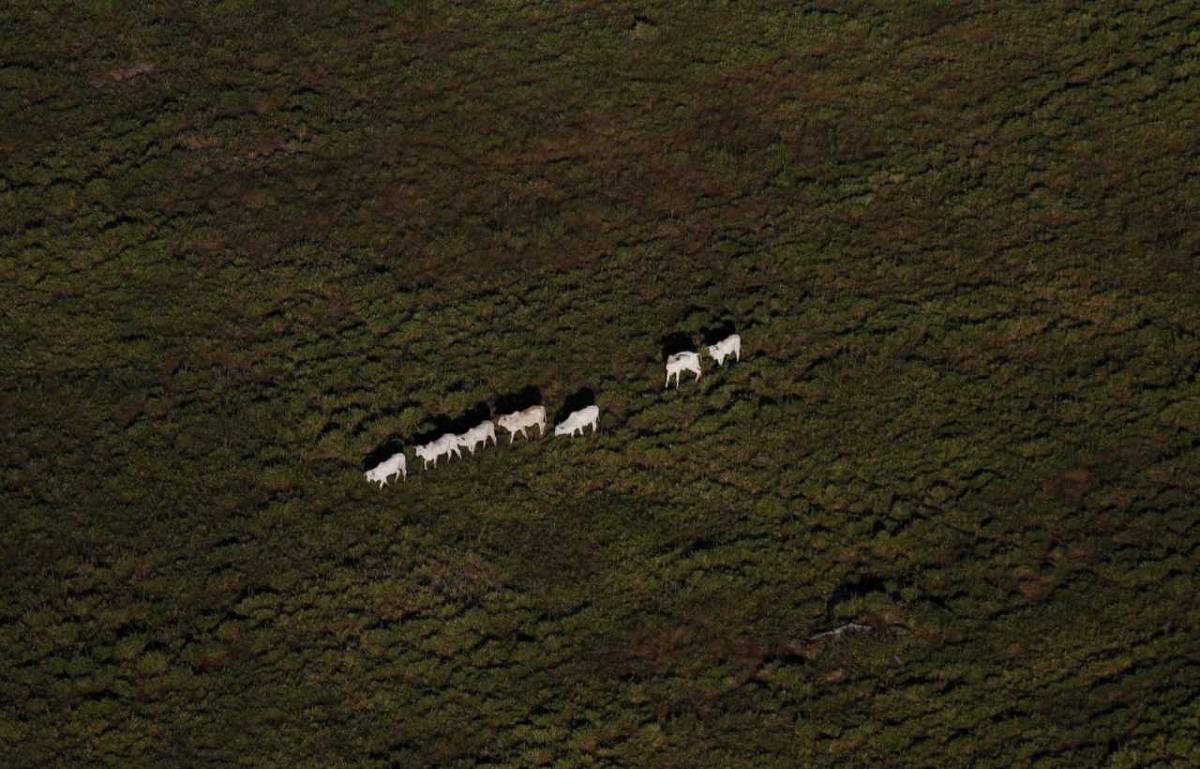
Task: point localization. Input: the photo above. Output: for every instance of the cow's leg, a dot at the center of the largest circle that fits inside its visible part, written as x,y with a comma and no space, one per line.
668,384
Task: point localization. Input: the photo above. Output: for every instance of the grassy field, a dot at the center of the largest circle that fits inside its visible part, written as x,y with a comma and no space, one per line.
243,245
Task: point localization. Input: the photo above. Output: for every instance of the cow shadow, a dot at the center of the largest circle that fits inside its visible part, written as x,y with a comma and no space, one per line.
439,426
472,417
581,398
458,425
530,395
676,342
719,330
381,452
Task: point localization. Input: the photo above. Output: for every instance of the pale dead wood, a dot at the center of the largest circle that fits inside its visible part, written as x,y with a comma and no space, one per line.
849,627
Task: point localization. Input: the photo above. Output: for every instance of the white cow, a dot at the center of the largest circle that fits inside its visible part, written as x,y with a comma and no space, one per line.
730,345
393,465
517,421
477,434
433,451
579,420
448,445
682,361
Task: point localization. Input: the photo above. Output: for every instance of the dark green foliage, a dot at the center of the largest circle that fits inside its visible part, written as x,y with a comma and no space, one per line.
243,245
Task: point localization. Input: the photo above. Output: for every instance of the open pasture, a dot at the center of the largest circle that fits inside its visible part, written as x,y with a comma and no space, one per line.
243,245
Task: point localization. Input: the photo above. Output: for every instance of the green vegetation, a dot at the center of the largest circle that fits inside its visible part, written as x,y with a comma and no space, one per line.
243,244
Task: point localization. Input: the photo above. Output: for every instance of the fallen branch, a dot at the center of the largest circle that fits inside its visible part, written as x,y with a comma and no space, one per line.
849,627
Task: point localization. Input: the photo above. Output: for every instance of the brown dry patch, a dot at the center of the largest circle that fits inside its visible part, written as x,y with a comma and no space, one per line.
216,659
465,580
1071,486
121,74
1078,556
1033,586
651,651
198,141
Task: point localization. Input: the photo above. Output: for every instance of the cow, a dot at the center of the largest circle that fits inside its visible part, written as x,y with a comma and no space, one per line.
730,345
517,421
448,445
682,361
433,451
393,465
578,420
477,434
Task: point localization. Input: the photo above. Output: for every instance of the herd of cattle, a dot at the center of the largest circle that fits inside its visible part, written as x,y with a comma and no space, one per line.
450,445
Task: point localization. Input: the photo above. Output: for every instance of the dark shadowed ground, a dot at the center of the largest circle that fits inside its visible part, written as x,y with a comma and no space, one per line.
244,246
